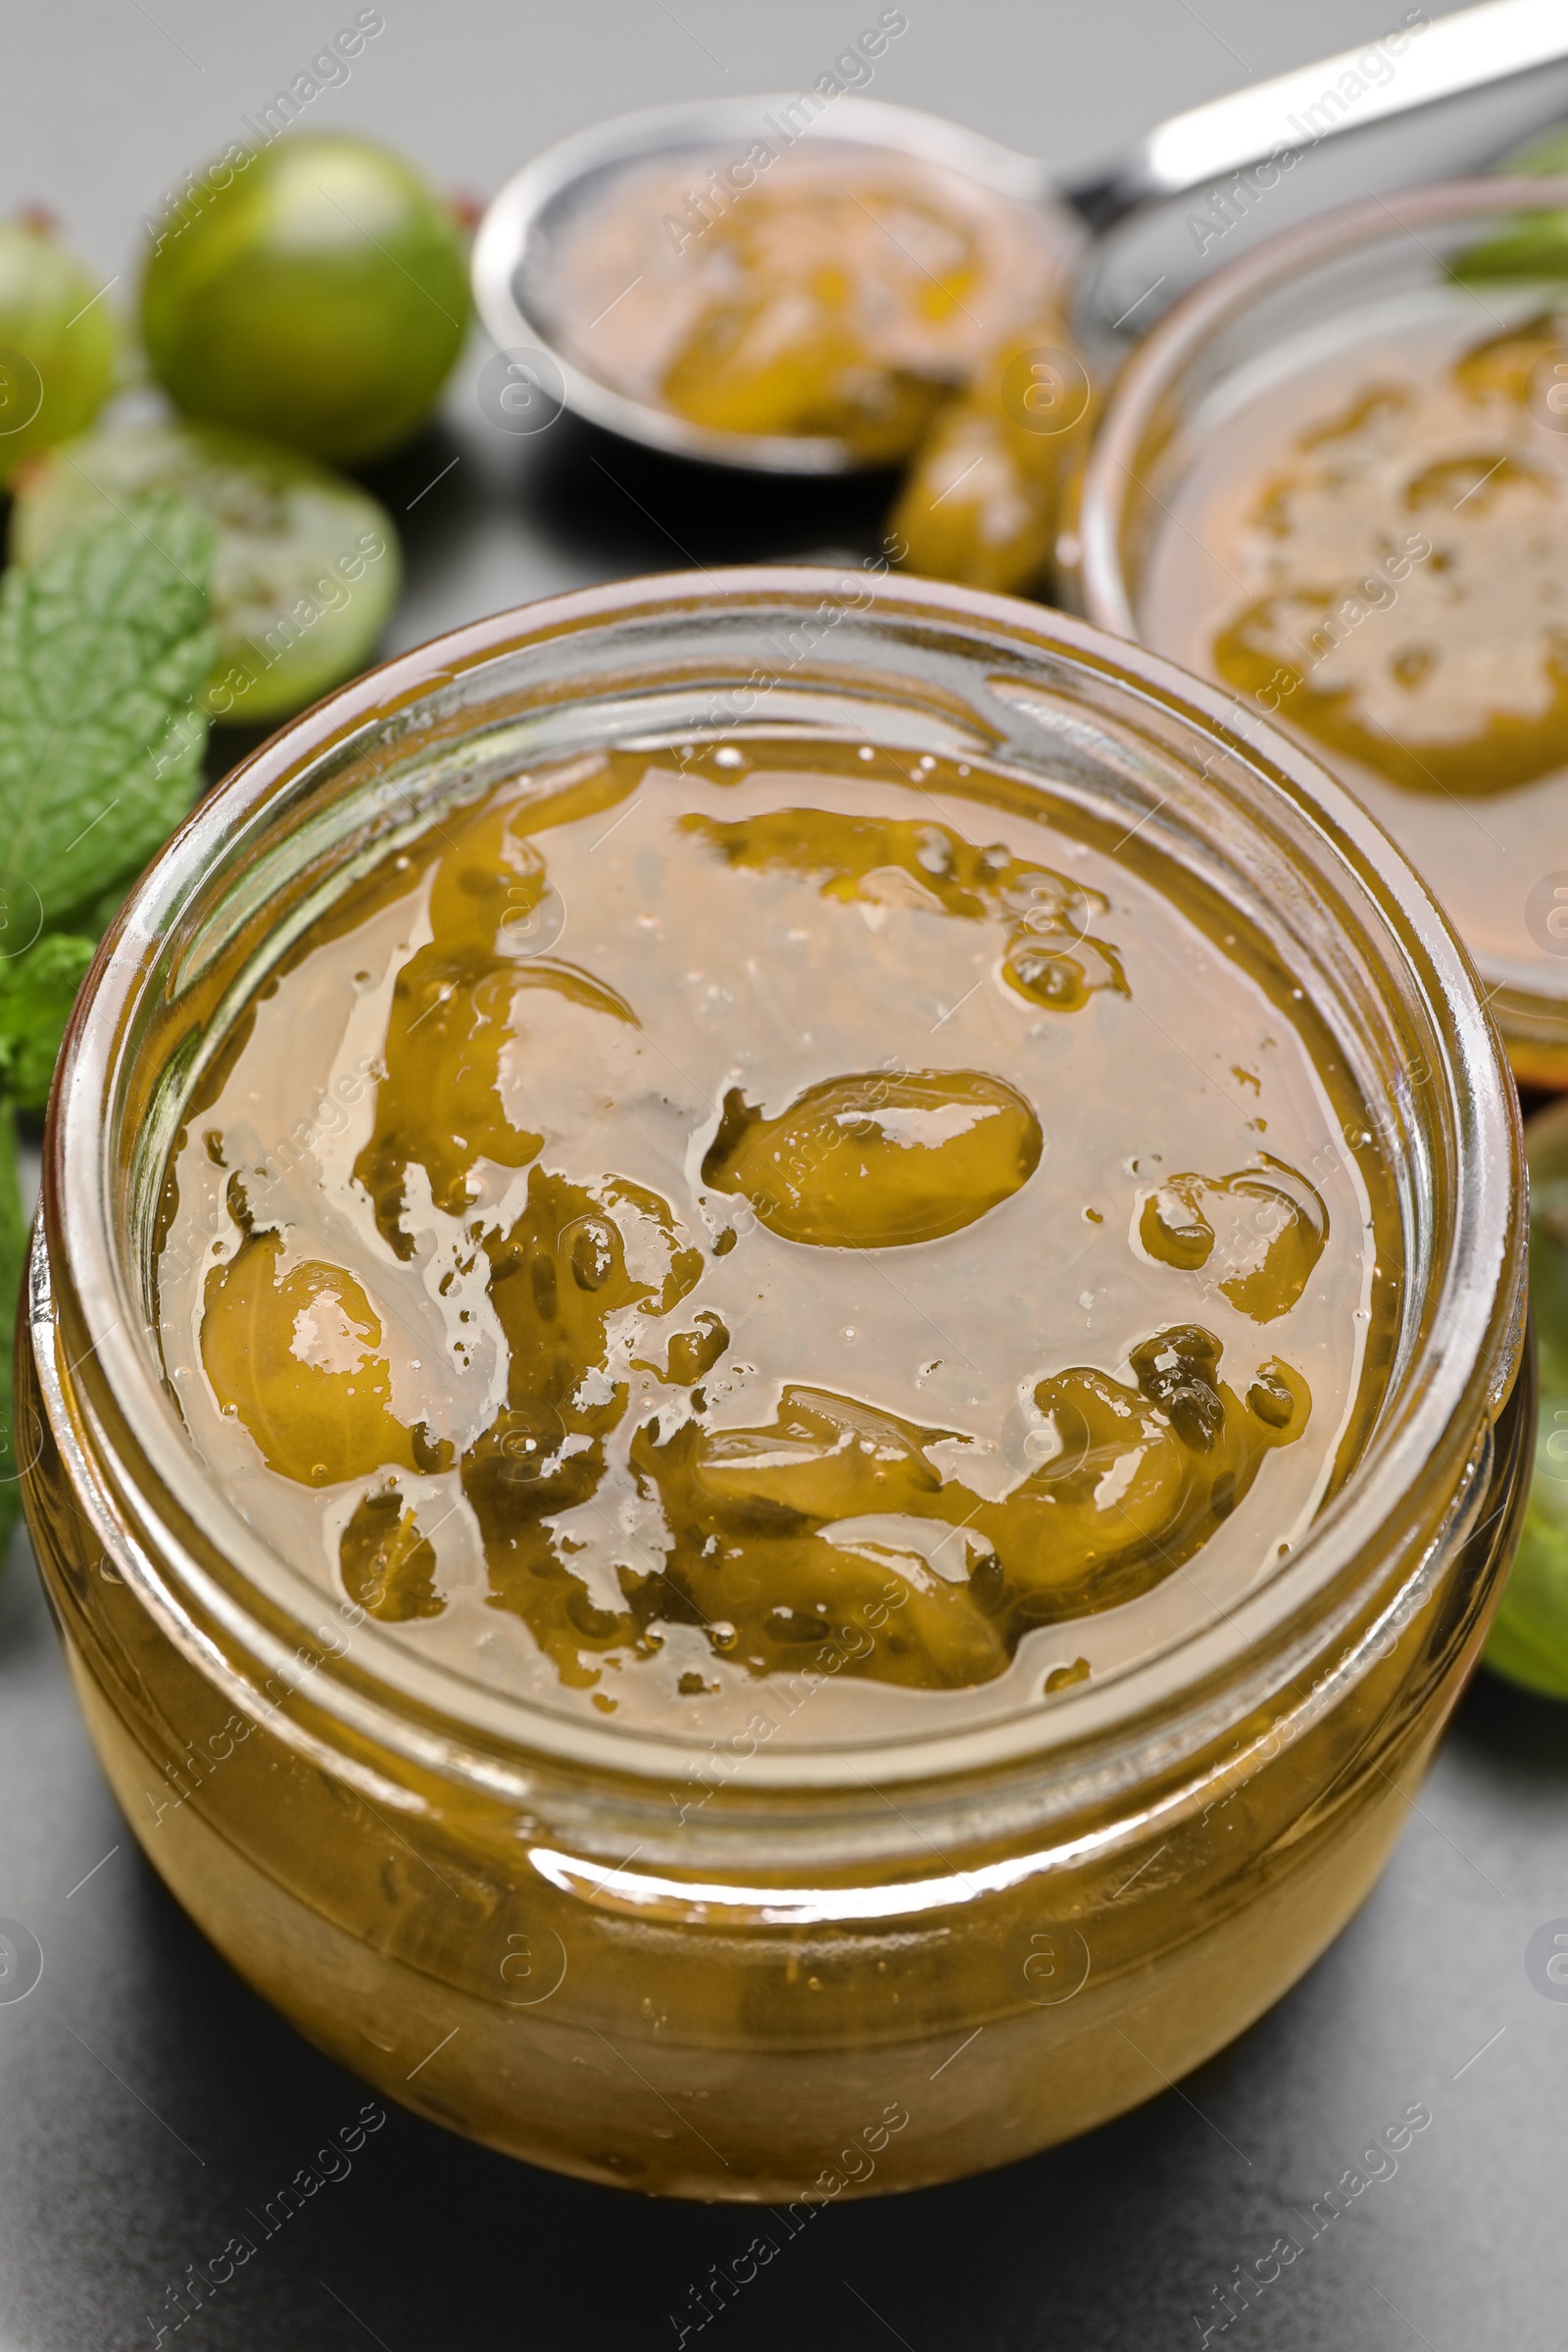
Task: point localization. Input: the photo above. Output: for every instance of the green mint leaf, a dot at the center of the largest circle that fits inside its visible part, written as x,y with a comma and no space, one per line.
37,994
13,1257
1532,244
104,644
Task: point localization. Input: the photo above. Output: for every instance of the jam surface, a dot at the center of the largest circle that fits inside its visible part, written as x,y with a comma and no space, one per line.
1438,501
771,1209
1373,553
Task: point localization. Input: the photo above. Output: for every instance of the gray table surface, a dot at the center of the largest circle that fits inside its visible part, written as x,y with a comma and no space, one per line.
146,2098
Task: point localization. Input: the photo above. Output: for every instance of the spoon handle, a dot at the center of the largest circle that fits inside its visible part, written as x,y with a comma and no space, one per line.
1413,66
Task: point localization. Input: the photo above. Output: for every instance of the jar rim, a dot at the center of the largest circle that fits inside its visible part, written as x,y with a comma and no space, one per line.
1462,1369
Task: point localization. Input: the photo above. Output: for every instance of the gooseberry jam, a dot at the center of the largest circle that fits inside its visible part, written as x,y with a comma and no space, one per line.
1334,479
772,1381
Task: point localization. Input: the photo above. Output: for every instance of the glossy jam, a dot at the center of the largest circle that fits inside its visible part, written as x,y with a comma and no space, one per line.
985,496
1372,550
718,1213
1415,549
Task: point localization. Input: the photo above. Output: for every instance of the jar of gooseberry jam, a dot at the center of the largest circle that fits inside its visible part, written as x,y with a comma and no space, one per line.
1335,477
748,1933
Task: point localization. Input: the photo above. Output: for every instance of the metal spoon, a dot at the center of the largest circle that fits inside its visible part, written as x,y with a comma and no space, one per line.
520,237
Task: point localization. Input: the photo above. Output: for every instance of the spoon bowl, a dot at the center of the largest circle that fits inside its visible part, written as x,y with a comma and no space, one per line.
519,280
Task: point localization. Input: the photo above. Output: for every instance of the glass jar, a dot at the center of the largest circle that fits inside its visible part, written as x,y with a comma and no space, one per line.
769,1967
1293,331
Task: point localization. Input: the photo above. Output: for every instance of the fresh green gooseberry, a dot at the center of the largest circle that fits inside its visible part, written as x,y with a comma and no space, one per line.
57,343
307,565
1532,244
322,298
1529,1638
